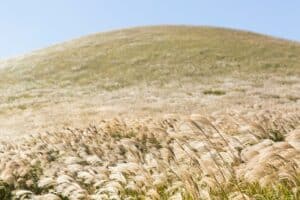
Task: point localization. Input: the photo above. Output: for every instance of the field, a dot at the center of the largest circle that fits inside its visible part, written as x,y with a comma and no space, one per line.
166,112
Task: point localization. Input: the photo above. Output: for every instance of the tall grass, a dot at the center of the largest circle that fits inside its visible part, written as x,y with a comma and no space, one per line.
197,158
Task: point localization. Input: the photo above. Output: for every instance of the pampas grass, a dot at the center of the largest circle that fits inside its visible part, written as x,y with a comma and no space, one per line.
225,156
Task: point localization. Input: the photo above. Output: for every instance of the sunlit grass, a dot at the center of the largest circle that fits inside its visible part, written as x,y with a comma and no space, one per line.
167,159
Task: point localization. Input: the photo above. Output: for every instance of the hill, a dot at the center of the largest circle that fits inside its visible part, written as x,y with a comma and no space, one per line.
122,58
165,112
141,71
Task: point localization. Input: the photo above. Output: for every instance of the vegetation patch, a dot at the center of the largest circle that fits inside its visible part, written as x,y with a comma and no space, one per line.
5,191
214,92
244,190
293,98
276,135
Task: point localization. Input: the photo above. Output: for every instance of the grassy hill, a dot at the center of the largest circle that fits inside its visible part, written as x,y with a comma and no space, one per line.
152,55
198,113
147,70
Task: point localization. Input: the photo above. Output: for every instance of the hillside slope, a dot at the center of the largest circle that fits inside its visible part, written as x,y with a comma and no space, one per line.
148,70
167,112
160,54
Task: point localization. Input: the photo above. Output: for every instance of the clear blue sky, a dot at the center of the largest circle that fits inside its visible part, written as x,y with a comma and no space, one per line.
27,25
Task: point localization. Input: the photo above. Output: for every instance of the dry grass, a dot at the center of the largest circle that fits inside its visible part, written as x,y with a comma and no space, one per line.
244,145
153,55
142,71
227,156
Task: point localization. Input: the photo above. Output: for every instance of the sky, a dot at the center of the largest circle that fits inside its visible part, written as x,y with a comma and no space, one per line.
34,24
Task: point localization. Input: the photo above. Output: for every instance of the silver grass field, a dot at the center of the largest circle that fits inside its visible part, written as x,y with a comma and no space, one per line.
162,112
227,156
